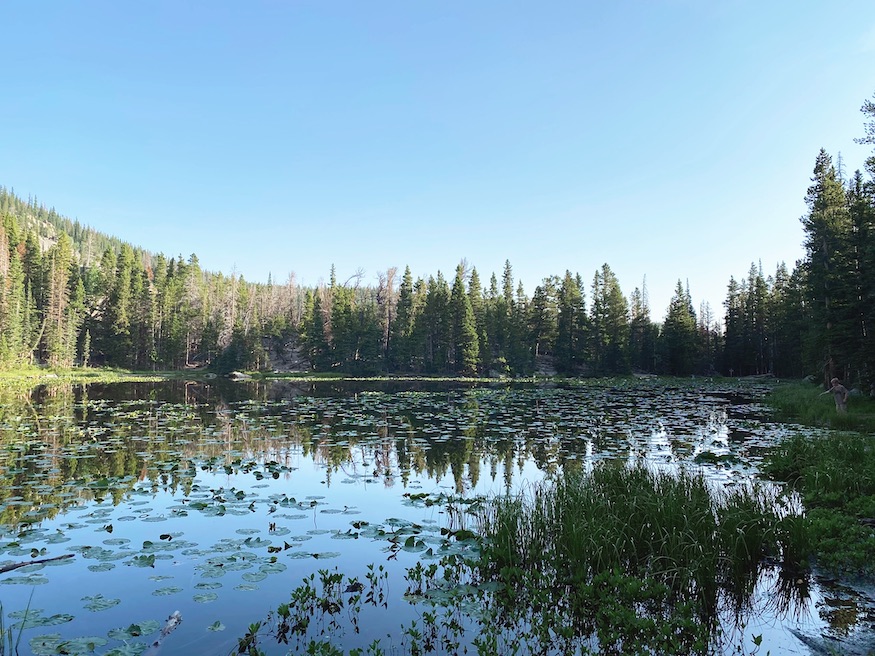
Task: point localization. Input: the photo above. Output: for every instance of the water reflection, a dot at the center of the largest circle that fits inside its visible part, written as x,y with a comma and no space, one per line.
68,447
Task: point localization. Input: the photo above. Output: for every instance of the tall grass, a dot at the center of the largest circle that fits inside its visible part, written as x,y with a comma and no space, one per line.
835,477
641,558
830,471
804,403
9,643
7,646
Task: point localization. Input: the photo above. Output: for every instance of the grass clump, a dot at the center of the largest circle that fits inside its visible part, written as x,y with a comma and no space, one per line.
640,560
835,477
26,378
803,402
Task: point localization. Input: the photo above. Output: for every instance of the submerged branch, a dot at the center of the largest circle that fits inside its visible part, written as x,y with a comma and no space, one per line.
9,568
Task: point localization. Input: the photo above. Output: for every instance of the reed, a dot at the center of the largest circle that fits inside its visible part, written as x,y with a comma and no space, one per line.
9,643
804,403
664,544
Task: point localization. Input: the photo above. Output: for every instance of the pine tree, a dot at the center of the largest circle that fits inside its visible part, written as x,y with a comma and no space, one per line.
520,353
438,326
753,299
495,311
314,330
789,322
827,229
734,344
542,317
419,331
570,326
478,307
14,331
56,333
400,344
868,110
643,332
117,345
678,340
387,301
861,208
609,323
466,346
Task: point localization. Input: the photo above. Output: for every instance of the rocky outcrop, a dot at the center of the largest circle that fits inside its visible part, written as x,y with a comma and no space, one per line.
285,355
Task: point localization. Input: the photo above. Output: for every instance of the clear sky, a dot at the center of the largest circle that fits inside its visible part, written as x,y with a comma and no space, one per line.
672,139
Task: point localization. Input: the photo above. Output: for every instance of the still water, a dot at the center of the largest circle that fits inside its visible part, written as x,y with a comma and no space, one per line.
210,502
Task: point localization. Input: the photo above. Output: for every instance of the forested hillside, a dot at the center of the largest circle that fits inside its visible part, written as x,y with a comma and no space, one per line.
70,296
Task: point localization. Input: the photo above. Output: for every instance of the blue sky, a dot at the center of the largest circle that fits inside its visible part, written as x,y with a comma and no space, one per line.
672,139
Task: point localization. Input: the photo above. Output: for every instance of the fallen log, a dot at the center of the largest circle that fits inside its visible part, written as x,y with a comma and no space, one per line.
9,568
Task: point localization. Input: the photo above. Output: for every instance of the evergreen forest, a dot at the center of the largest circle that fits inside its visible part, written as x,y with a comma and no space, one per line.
71,296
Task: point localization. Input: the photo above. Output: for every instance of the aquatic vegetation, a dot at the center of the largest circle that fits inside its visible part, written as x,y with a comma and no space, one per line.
637,558
835,477
208,497
623,560
804,403
9,641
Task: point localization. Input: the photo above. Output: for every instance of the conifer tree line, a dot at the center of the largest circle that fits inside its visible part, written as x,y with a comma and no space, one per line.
71,296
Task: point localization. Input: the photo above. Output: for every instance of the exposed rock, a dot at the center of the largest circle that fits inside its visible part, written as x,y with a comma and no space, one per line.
285,356
829,646
239,375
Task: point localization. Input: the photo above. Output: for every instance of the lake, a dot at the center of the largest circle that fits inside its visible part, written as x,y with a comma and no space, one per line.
210,501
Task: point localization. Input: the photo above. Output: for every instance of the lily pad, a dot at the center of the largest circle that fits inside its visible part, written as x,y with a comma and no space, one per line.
33,579
208,586
274,567
205,597
98,602
101,567
45,645
37,619
246,587
142,561
135,630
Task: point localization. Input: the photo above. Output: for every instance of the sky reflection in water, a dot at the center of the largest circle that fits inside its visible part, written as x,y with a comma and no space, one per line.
216,501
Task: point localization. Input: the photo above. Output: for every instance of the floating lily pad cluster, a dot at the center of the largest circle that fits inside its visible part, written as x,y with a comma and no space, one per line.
118,483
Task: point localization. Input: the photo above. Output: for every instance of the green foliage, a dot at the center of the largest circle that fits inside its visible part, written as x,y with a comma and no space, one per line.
816,319
609,324
571,327
625,538
466,345
678,341
836,479
624,561
805,403
437,326
244,353
643,333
